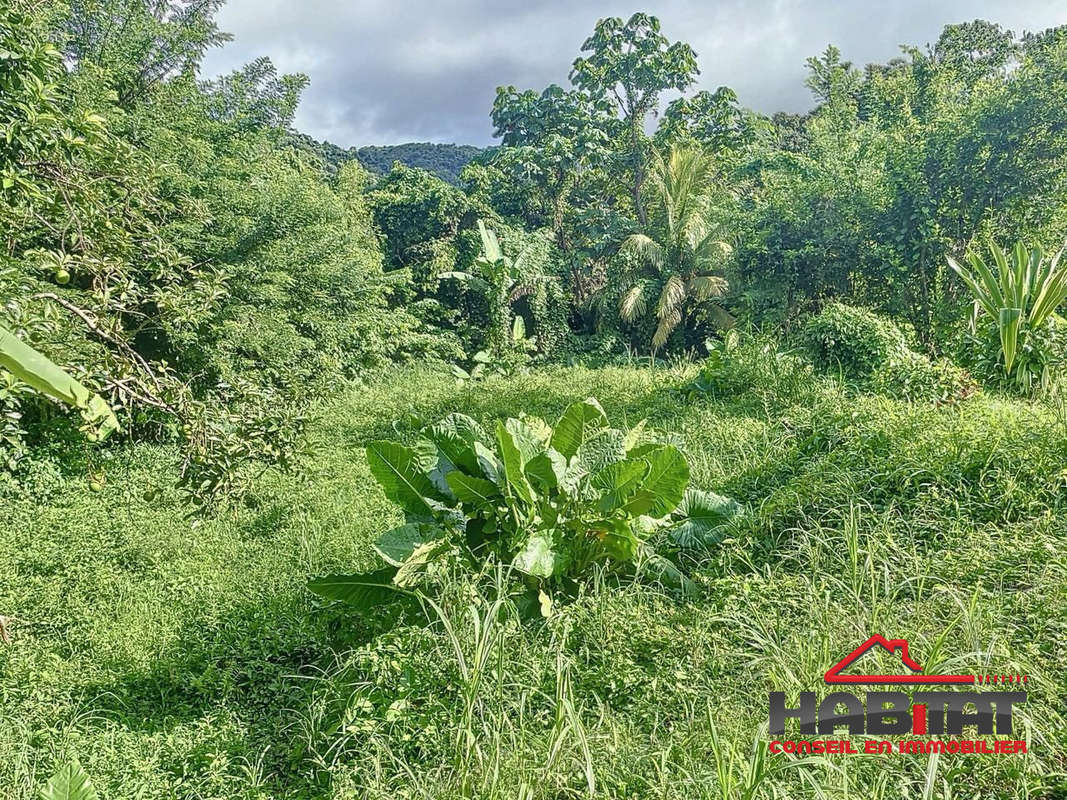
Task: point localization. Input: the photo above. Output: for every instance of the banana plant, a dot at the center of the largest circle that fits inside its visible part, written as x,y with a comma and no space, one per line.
501,279
550,501
37,371
1019,293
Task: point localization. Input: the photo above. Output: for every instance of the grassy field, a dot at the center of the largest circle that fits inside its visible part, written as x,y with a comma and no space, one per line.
185,659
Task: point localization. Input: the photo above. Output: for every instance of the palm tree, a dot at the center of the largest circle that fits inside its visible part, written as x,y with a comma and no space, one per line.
679,255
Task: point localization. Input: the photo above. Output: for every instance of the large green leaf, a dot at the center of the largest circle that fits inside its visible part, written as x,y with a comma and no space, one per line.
455,436
511,458
547,469
665,572
71,782
700,517
619,540
618,482
662,490
539,557
36,370
399,471
473,492
526,438
1009,320
603,447
634,435
489,465
490,244
397,545
363,590
414,568
577,424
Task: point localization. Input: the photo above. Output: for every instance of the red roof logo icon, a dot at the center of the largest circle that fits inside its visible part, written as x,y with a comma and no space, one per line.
914,675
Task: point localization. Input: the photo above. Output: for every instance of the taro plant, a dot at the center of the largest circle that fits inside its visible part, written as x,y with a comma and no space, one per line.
550,502
1019,293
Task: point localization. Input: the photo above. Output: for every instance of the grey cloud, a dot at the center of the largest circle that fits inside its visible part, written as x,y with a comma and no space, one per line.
384,72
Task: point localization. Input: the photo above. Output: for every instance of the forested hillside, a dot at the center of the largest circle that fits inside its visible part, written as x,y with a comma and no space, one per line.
305,488
446,161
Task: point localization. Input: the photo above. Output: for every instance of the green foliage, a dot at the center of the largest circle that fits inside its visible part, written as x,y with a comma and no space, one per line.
166,244
854,341
871,350
1019,294
915,377
71,782
899,165
676,259
551,141
446,161
36,371
421,217
739,366
155,42
629,64
711,119
261,691
551,502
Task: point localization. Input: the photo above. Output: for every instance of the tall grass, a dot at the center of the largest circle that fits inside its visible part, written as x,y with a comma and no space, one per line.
175,661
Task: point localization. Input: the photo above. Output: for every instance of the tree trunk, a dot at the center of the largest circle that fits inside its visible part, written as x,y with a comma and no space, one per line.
639,169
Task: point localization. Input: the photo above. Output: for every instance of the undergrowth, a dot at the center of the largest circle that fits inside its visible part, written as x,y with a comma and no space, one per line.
183,659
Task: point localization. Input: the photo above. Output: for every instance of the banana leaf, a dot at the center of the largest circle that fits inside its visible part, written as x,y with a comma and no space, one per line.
37,371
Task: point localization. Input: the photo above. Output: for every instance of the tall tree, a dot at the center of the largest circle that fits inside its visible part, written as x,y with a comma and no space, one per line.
631,63
141,43
549,140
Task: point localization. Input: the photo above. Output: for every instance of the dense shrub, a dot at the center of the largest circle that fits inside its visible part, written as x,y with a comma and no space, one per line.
166,245
854,341
871,351
913,376
742,364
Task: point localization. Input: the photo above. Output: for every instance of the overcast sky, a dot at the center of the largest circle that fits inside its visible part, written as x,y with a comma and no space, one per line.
391,71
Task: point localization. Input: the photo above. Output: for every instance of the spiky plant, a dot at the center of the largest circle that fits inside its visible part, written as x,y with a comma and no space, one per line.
681,253
1020,294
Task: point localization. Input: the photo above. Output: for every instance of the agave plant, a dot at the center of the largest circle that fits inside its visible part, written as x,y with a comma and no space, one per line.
683,249
1020,294
38,372
551,502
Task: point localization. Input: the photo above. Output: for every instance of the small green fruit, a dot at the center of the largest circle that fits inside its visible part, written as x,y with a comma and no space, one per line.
62,277
96,486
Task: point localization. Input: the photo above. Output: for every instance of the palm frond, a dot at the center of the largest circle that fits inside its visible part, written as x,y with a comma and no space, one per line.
720,317
644,248
671,298
704,287
666,327
633,305
709,250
